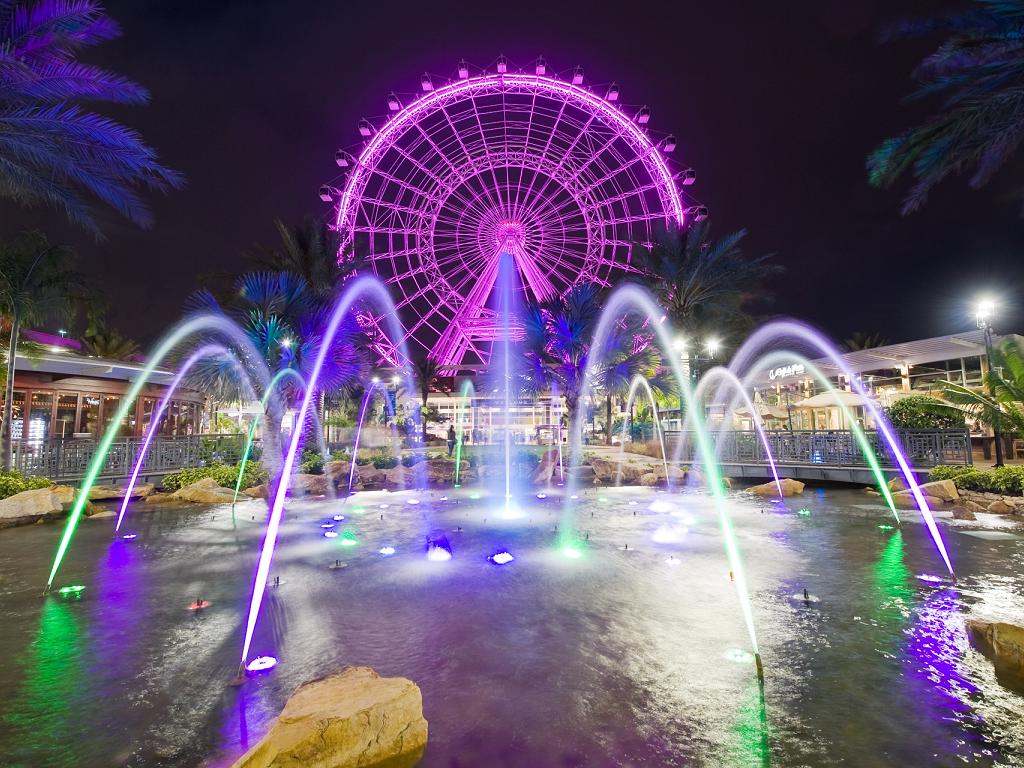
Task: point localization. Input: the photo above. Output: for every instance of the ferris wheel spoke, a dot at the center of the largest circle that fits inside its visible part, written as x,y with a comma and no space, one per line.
462,143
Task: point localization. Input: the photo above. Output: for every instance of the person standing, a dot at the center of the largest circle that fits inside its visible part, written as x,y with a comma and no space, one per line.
451,439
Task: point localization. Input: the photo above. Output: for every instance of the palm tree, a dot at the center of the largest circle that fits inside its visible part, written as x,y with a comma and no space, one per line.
859,340
977,73
38,281
52,150
313,250
1001,402
109,343
427,370
703,284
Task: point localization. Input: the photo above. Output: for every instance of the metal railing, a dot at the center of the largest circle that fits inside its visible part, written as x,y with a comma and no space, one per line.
923,448
68,460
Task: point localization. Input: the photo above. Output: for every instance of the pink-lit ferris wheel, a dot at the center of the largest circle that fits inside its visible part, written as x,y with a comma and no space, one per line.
543,168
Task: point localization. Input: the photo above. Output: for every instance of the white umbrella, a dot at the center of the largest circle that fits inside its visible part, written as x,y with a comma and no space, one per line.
833,399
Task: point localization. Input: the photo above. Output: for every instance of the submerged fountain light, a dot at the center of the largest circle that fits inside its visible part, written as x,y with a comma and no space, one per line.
542,495
669,534
330,534
885,527
338,518
327,525
661,507
348,539
437,554
572,552
261,664
444,498
386,551
130,536
803,511
412,501
501,557
71,591
672,560
930,579
739,656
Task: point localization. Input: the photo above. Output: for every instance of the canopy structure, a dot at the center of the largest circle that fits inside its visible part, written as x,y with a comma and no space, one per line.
833,399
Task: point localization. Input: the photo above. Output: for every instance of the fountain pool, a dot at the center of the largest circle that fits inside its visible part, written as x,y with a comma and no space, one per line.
619,656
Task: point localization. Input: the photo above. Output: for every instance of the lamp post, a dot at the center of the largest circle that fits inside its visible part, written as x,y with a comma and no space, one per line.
986,308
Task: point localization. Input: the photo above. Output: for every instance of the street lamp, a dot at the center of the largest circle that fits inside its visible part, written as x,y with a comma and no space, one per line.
713,345
985,311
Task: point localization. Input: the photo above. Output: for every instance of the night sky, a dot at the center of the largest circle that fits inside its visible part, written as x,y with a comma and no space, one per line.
774,104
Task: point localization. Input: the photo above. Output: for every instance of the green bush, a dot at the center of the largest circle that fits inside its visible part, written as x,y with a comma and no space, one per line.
1003,480
385,462
225,475
915,412
312,462
412,459
15,482
362,461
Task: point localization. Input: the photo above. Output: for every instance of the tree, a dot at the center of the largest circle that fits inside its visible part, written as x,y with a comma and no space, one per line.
312,250
427,370
922,412
977,73
1005,380
38,280
860,340
52,150
702,284
109,343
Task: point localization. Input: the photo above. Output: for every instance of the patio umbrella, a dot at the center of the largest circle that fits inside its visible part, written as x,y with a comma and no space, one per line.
833,400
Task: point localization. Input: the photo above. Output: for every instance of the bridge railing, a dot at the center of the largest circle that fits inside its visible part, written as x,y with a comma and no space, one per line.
68,460
923,448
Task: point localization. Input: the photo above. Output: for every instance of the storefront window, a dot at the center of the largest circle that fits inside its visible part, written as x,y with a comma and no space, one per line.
88,421
17,415
110,405
40,412
67,409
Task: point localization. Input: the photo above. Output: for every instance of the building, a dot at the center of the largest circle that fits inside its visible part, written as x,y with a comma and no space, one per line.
60,393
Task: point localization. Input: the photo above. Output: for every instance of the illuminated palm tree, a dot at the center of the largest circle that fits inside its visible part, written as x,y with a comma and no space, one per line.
38,280
52,150
860,340
109,343
1001,401
977,74
427,370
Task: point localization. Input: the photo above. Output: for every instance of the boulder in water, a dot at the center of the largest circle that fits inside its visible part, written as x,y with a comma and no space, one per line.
353,719
205,491
1001,642
789,486
30,507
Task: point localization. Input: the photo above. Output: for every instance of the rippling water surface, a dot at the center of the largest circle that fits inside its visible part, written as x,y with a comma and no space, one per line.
623,657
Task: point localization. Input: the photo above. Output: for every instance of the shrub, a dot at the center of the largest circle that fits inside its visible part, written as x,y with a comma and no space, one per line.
15,482
1003,480
385,462
412,459
916,412
312,462
362,461
225,475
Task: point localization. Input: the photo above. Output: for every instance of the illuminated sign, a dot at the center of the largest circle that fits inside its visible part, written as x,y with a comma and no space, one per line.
786,371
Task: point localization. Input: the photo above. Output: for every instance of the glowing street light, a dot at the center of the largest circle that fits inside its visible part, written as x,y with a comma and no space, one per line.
984,312
680,344
286,342
713,346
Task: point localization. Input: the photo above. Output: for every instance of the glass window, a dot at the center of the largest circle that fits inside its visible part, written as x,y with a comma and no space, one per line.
17,415
67,409
110,405
88,419
39,415
148,406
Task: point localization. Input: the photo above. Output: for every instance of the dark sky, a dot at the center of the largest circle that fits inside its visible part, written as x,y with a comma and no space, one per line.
774,104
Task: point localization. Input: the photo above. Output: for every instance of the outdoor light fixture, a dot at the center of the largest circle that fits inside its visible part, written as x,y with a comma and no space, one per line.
261,664
985,310
365,128
502,65
463,70
541,67
375,380
577,75
501,557
713,345
643,116
395,379
330,534
613,92
426,83
687,177
286,342
386,551
680,344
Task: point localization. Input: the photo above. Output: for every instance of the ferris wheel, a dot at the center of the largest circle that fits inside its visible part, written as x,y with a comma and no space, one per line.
560,177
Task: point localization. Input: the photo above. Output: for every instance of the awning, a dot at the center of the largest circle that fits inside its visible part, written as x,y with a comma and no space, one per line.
765,411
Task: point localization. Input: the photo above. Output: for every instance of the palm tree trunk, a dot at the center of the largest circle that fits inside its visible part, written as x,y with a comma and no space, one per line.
6,434
608,419
423,415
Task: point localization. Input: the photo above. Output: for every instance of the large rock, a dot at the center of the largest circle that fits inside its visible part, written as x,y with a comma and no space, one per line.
355,719
907,500
261,491
790,487
649,478
30,507
1001,642
941,489
309,485
108,492
1000,508
897,484
442,471
546,469
205,491
961,512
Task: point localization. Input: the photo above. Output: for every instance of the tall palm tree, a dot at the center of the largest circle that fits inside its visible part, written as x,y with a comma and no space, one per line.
38,280
703,284
52,150
977,74
313,250
427,370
